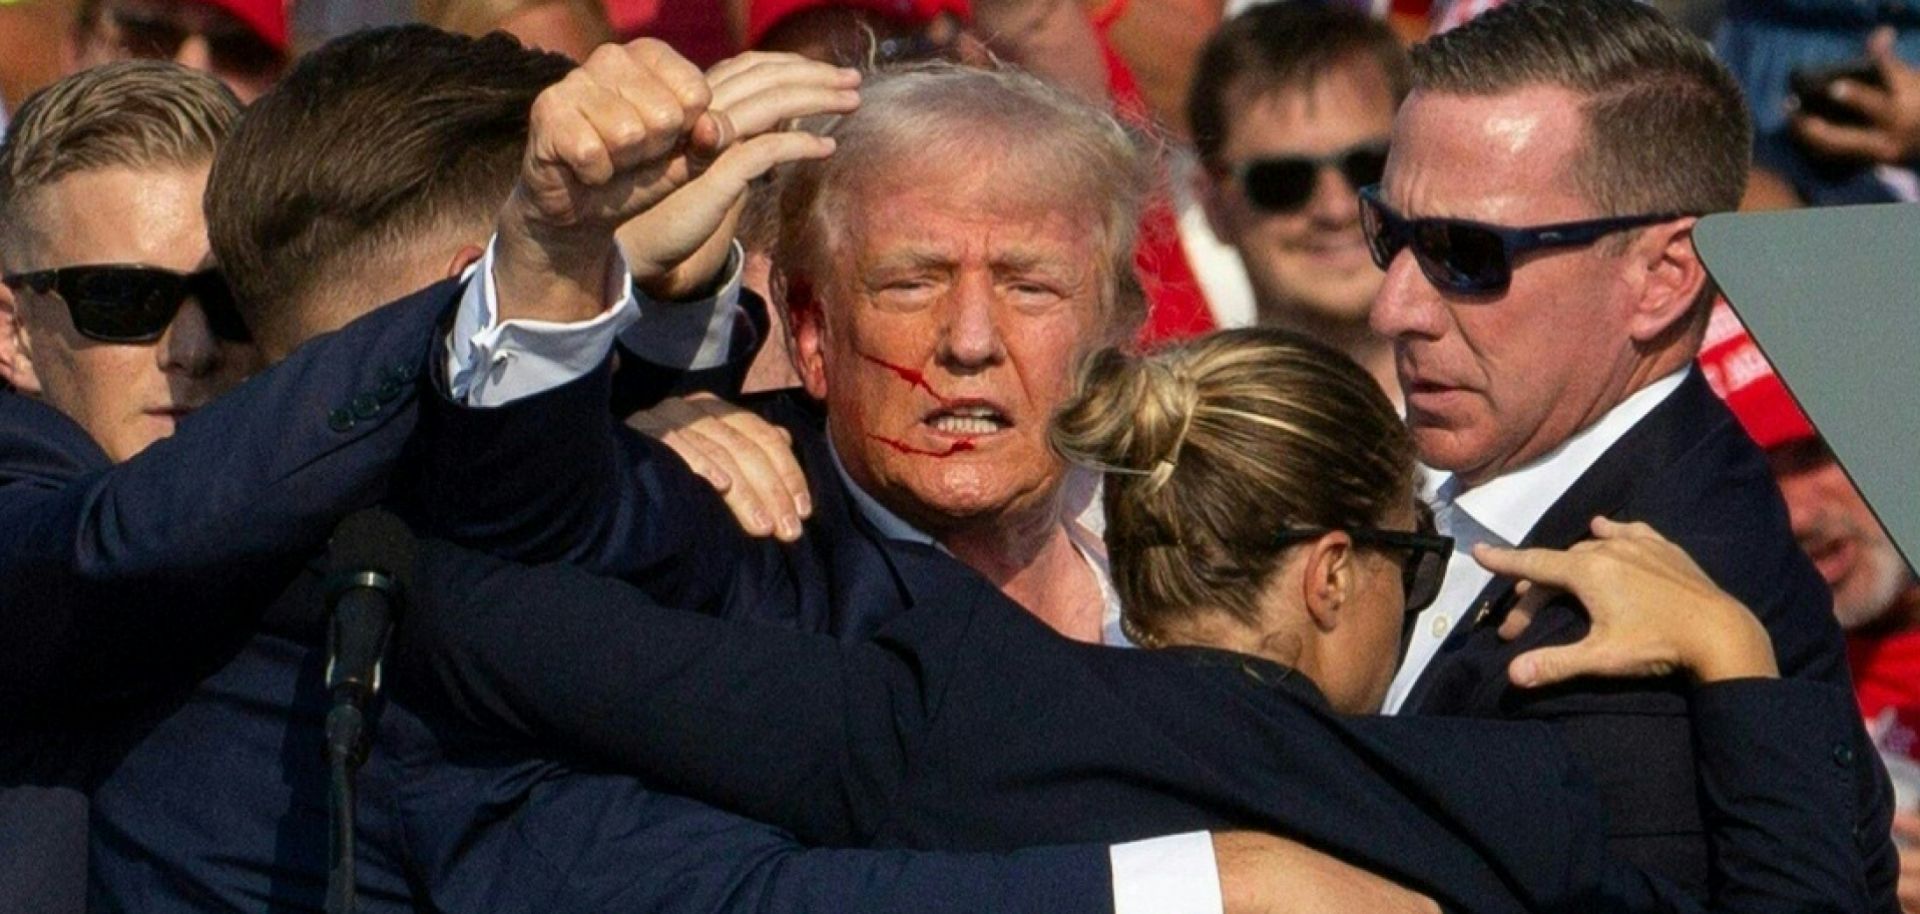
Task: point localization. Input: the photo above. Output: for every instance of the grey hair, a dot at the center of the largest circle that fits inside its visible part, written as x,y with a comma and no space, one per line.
947,112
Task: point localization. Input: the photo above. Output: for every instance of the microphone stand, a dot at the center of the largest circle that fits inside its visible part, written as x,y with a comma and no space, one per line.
361,605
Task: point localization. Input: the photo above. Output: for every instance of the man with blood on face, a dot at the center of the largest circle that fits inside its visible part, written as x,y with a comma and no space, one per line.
945,271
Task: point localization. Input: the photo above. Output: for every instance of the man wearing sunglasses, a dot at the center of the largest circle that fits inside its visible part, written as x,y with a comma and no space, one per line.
1290,111
110,316
243,42
1545,305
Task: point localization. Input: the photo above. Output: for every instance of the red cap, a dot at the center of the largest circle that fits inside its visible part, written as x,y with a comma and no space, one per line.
266,18
763,15
1741,375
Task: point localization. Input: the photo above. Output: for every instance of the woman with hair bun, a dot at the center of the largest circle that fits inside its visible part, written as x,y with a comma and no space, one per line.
1267,545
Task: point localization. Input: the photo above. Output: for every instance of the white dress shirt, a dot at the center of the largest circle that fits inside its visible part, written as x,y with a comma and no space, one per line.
491,363
1501,512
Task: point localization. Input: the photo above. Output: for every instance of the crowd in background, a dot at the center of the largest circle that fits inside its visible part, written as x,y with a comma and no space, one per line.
1002,285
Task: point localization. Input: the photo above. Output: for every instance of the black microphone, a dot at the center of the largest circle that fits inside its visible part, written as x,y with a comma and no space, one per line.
369,566
369,563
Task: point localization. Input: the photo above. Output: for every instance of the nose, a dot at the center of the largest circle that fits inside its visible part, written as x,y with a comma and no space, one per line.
971,337
1334,201
188,347
1407,305
1803,501
194,54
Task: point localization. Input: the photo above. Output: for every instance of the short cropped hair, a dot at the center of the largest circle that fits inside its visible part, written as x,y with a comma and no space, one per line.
939,111
142,114
372,141
1668,130
1280,46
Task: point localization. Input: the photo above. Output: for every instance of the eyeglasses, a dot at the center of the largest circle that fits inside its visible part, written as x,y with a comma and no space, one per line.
1474,258
232,48
1427,553
135,304
1284,184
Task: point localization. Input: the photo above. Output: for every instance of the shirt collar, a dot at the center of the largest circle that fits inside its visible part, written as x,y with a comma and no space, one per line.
1085,541
891,525
1510,504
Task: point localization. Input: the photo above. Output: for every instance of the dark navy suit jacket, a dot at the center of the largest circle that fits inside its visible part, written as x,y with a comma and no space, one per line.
122,586
156,654
967,724
1689,471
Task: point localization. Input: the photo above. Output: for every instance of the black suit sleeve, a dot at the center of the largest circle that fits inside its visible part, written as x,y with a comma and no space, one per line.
114,578
613,847
794,729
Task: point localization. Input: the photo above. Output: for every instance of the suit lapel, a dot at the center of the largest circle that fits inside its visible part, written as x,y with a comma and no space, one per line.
1606,489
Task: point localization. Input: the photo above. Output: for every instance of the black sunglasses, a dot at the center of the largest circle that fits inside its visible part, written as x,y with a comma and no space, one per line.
1474,258
135,304
1427,553
232,48
1284,184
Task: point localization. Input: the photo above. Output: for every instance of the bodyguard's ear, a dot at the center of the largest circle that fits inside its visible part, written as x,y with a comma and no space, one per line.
464,258
16,346
1328,579
1670,276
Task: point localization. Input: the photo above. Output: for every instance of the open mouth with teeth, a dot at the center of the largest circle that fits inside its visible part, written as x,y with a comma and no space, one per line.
968,420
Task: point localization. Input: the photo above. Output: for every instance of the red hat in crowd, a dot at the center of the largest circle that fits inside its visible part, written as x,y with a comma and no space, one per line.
266,18
763,15
1741,375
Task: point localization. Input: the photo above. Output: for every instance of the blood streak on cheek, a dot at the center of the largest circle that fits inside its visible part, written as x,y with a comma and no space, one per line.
913,378
917,381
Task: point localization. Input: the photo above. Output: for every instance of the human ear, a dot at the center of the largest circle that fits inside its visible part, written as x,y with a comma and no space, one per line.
1328,578
808,325
1670,276
16,346
462,259
1209,187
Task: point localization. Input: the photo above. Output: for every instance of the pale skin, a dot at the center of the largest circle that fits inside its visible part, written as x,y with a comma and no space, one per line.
634,132
126,396
1624,578
961,296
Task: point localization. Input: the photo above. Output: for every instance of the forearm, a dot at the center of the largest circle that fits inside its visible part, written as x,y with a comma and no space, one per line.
518,454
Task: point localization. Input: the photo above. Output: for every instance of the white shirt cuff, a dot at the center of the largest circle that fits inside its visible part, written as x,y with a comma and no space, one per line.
691,335
490,363
1176,874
